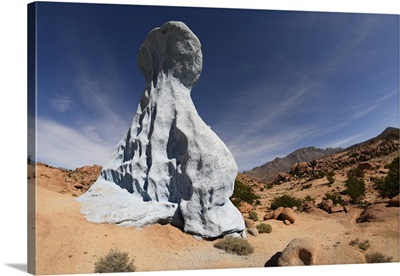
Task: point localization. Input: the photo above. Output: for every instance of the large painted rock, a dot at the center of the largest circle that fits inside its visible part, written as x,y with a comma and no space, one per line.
170,167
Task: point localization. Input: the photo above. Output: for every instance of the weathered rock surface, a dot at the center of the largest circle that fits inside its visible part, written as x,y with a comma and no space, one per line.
170,167
326,205
288,214
302,251
365,166
394,201
250,223
336,209
269,215
277,212
253,231
245,207
378,212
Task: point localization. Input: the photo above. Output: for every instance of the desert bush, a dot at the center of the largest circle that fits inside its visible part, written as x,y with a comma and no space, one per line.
364,245
354,242
286,201
253,216
337,199
321,174
308,198
355,188
355,185
389,186
330,178
378,257
235,245
356,172
114,261
264,228
241,192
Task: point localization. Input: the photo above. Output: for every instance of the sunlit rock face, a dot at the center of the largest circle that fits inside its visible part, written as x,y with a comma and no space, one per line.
170,167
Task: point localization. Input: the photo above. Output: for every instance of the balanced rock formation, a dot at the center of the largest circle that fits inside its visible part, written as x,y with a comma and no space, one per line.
170,167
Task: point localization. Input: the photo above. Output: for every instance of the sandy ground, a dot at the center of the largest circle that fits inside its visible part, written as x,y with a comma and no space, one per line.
67,243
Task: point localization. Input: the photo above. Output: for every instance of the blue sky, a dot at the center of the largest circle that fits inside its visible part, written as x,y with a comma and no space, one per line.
272,81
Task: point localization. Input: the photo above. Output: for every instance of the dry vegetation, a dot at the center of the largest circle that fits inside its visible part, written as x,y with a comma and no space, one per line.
351,231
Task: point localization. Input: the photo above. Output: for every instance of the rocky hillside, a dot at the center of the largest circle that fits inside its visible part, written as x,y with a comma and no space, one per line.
340,187
269,171
383,144
329,174
73,182
371,155
386,139
343,232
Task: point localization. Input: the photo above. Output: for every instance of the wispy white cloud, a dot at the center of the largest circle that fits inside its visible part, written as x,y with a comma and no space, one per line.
63,146
95,124
105,119
264,121
61,103
364,109
272,118
252,151
94,116
344,142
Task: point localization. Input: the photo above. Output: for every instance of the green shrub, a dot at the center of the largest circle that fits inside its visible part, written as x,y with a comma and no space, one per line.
356,172
377,257
241,192
337,199
114,261
330,178
364,245
286,201
321,174
355,185
235,245
389,186
308,198
253,216
264,228
354,242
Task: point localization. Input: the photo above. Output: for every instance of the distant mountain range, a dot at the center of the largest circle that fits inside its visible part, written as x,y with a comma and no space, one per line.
269,171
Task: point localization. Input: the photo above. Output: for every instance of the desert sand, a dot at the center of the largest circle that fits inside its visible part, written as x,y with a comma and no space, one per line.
67,243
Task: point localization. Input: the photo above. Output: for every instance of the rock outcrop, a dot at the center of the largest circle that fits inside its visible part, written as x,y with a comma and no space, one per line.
326,205
288,214
269,171
394,201
170,167
302,251
379,212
